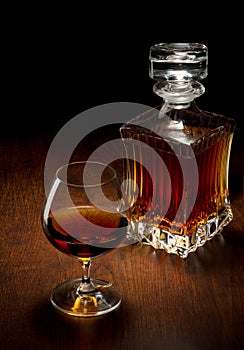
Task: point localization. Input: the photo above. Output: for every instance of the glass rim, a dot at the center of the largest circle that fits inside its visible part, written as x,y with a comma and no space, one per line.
98,184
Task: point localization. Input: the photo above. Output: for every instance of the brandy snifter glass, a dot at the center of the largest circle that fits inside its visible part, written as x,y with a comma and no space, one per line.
82,219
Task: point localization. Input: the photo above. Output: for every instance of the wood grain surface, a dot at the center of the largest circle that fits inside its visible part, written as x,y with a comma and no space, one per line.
168,302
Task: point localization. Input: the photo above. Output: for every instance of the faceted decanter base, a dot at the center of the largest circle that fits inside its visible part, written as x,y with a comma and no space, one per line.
183,244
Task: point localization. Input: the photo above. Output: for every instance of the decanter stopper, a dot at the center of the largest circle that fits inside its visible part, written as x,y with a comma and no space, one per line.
177,67
178,61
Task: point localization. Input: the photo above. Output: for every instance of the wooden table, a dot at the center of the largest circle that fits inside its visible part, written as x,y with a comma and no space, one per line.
168,302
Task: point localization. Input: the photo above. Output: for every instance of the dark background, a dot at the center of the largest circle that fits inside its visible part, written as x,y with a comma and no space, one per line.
60,60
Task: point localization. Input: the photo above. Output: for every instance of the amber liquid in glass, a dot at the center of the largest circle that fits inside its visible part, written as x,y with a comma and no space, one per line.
94,239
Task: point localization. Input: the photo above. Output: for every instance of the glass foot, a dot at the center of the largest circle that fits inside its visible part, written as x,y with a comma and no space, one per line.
103,299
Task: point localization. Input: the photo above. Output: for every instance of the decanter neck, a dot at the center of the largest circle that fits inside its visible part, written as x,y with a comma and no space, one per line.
178,93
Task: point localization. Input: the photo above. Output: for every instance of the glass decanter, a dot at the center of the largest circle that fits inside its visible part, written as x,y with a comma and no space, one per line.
177,157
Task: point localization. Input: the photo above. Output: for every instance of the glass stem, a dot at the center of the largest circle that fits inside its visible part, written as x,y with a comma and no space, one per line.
86,286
